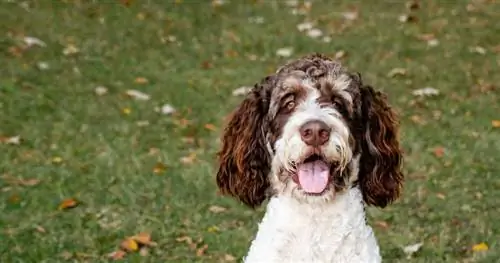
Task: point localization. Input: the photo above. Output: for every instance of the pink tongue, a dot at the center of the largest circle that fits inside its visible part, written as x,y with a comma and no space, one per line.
313,176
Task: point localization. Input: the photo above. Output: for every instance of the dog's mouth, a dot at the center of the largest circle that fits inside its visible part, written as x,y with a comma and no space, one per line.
313,174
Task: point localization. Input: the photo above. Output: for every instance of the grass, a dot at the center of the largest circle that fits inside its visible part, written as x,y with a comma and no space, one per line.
78,145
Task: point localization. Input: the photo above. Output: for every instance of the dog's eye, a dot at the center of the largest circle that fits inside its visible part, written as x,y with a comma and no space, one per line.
288,104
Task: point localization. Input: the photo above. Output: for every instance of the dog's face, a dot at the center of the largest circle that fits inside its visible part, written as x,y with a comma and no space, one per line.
311,131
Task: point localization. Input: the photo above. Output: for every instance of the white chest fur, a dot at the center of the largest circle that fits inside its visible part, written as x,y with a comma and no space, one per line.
322,232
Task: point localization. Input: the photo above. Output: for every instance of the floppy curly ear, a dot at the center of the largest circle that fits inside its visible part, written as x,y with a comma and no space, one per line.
244,162
380,174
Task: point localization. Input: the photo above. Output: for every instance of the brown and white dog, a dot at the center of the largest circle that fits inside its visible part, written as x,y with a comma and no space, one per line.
316,142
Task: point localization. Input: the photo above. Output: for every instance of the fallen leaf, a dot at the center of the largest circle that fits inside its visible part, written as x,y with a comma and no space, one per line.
100,90
29,182
202,250
417,119
141,80
33,41
189,159
159,168
495,123
126,111
213,229
284,52
138,95
41,65
441,196
70,50
340,54
68,203
382,224
412,5
229,257
480,247
206,65
57,159
166,109
314,33
129,244
397,72
15,140
411,249
304,26
217,209
478,49
427,91
241,91
351,15
117,255
144,251
439,151
40,229
216,3
144,239
210,127
327,39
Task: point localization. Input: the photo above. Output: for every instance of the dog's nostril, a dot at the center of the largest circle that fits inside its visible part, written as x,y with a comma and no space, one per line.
315,133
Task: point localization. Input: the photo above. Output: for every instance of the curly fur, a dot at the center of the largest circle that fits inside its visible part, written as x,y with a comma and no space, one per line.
262,146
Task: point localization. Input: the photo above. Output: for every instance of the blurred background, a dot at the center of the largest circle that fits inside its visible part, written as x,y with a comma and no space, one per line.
110,114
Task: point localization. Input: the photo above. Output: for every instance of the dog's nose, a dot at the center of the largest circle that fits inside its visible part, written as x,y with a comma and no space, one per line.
315,133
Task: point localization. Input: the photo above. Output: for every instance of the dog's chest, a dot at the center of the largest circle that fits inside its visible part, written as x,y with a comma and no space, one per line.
288,234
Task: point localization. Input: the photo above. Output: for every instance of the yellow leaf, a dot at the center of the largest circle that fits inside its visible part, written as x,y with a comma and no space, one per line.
213,229
480,247
67,204
495,123
57,159
189,159
143,239
129,244
141,80
159,168
126,111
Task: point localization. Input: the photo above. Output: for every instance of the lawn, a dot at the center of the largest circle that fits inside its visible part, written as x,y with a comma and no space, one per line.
94,165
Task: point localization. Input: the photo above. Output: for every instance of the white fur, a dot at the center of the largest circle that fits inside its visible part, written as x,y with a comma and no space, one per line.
297,232
298,227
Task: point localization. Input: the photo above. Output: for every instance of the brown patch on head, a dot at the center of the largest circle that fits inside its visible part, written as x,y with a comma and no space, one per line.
244,162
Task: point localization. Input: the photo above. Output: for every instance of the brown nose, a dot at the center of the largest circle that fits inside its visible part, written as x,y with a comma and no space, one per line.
315,133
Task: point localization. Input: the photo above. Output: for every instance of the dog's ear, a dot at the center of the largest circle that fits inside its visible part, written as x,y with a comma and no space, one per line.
244,162
380,174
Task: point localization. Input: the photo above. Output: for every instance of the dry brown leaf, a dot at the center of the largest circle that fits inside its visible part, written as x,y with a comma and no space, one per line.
159,168
29,182
68,203
117,255
138,95
397,72
186,239
144,239
210,127
144,251
439,151
129,244
40,229
217,209
382,224
202,250
206,65
495,123
15,140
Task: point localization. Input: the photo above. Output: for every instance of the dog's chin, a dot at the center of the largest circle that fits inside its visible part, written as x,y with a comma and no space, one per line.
314,176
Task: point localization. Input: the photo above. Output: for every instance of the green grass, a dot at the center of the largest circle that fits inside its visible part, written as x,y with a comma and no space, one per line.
450,202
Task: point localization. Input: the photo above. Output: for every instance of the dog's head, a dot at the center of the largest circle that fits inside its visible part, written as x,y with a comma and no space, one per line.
311,131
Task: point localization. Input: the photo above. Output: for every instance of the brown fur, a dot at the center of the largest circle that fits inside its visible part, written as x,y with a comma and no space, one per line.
380,164
244,162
